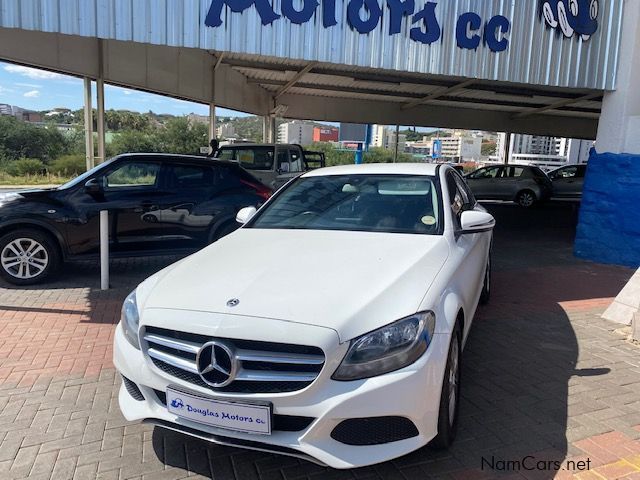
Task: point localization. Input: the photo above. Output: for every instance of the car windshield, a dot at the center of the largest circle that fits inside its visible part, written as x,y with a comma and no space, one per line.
369,203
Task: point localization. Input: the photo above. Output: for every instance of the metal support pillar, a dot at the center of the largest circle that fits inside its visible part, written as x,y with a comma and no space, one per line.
272,129
265,129
88,124
212,121
100,102
395,154
104,249
100,120
358,156
506,153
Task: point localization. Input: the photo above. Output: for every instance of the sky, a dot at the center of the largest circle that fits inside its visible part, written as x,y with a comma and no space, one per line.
40,90
35,89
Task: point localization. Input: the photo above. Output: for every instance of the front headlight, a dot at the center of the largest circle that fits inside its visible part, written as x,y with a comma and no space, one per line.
130,319
387,349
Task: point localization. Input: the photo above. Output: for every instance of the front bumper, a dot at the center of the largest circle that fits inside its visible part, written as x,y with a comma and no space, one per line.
412,392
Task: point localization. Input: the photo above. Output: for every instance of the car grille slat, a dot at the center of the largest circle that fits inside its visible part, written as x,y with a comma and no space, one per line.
173,360
264,367
184,345
271,357
262,376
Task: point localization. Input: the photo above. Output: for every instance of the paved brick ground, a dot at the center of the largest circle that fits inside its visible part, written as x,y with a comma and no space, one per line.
545,379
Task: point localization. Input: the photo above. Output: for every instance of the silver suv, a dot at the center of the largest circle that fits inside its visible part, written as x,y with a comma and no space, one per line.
522,184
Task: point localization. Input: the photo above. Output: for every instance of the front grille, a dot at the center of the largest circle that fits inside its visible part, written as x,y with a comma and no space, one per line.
281,423
262,367
374,430
133,389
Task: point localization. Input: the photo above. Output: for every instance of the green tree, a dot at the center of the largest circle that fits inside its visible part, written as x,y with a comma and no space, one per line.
24,140
488,148
131,141
181,136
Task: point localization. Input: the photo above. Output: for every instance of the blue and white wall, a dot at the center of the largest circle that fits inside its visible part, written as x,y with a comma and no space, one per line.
609,226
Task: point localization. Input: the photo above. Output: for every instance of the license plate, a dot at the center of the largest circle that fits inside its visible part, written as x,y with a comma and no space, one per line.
241,417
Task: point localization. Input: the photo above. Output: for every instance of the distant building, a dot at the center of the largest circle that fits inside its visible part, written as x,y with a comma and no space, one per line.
325,134
226,130
418,148
195,118
546,152
378,134
296,131
33,117
20,113
461,147
385,137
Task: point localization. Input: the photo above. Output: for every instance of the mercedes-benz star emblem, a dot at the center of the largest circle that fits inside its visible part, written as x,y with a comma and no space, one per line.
232,302
216,363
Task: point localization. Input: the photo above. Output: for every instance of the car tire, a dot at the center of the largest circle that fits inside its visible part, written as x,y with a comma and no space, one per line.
28,256
450,395
526,199
485,296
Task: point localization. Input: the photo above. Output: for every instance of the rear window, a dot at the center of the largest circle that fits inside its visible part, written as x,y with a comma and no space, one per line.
251,158
537,172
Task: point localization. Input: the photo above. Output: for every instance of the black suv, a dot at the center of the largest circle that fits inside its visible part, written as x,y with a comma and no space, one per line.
157,203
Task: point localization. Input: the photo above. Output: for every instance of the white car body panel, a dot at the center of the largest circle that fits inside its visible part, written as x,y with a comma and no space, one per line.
321,289
347,293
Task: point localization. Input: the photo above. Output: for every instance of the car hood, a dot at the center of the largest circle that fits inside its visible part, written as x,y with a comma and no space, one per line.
352,282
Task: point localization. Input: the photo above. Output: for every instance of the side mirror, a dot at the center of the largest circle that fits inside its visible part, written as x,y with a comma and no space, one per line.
245,214
472,221
94,185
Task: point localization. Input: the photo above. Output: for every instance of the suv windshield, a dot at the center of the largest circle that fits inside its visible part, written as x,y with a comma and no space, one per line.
369,203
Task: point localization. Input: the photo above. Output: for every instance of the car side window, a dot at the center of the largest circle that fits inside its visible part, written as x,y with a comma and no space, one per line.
225,154
516,172
191,176
296,161
456,198
569,172
465,191
489,172
283,161
134,174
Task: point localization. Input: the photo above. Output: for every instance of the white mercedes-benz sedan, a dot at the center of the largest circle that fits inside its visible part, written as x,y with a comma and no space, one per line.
329,326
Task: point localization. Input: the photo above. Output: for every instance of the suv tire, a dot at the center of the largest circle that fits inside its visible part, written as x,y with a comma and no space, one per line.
28,256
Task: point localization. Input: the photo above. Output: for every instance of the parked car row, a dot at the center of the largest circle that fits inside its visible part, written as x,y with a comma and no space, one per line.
526,185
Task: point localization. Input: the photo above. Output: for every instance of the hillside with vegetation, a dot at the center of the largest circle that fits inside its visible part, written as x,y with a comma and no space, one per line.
46,154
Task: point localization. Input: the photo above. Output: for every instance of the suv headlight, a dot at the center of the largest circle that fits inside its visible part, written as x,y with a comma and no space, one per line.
387,349
130,319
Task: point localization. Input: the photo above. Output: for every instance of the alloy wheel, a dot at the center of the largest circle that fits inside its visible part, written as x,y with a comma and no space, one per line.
24,258
526,199
454,379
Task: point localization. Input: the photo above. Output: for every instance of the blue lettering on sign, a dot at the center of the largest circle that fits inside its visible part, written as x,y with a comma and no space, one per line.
494,33
468,22
364,16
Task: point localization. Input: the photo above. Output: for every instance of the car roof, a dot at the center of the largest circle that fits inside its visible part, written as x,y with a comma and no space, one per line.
179,157
244,145
377,168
